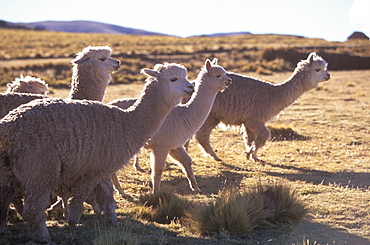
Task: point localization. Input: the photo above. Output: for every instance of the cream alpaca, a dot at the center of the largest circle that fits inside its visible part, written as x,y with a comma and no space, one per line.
182,122
93,64
91,69
252,103
28,84
90,78
79,144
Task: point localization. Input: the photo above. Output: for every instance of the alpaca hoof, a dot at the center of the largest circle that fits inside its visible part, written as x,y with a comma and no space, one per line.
197,190
217,158
138,168
252,156
127,196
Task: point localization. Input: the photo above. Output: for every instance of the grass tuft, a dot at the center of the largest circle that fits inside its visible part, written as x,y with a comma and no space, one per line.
163,207
283,202
239,213
285,134
232,211
109,235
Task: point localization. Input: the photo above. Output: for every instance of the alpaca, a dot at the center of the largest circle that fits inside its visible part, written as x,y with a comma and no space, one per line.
93,64
28,84
90,78
49,144
182,122
252,103
91,75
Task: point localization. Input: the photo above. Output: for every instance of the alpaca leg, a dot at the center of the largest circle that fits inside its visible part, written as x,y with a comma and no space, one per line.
18,201
158,163
104,198
187,145
118,187
35,204
249,140
94,203
7,191
137,164
180,155
262,134
6,195
54,208
80,191
203,134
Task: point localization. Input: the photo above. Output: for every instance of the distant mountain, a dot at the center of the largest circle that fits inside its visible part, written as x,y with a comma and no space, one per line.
78,26
227,34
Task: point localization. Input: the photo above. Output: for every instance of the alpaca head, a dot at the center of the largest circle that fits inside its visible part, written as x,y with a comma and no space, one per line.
317,67
28,84
96,58
217,73
173,77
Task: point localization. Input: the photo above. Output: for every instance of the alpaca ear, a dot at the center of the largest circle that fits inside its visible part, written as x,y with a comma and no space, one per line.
150,73
208,65
24,83
80,61
310,56
214,61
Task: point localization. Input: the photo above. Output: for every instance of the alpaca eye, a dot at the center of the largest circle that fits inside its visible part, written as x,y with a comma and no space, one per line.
218,75
318,69
103,59
173,79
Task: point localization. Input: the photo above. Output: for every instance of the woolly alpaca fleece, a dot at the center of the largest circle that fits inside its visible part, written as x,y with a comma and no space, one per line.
91,69
28,84
92,64
252,102
79,143
89,81
182,122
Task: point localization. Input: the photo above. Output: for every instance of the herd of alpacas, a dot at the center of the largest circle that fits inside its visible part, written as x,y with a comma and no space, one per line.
59,153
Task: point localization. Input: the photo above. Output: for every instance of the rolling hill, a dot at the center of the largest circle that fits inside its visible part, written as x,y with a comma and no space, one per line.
79,26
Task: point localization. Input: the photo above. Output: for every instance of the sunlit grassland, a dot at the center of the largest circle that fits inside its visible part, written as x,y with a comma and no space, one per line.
328,165
48,54
329,169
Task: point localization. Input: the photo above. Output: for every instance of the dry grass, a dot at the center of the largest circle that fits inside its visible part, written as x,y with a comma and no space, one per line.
329,170
232,212
283,203
163,207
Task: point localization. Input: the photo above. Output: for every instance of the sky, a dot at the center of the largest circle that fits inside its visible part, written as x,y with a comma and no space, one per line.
332,20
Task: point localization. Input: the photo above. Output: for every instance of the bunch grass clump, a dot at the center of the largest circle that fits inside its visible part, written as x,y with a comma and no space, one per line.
163,207
285,134
239,212
283,202
114,235
232,211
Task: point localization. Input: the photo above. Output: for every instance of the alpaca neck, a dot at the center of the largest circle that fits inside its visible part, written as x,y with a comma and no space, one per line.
146,116
291,90
88,85
199,106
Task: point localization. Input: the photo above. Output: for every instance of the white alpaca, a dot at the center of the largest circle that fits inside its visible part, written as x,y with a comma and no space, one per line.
49,144
182,122
252,103
90,78
91,75
28,84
